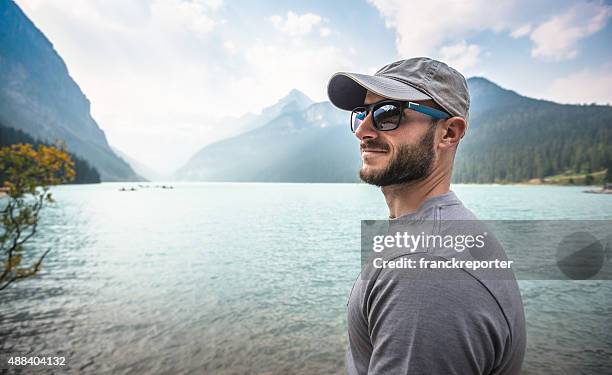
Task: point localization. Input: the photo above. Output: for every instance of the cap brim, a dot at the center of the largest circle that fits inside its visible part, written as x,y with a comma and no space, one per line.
348,90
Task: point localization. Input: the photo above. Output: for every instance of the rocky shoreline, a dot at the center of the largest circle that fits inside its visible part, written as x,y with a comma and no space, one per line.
599,191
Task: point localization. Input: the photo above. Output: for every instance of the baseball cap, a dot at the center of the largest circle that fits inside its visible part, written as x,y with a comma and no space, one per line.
415,79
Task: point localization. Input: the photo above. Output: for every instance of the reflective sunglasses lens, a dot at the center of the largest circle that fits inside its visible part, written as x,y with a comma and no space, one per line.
387,117
357,117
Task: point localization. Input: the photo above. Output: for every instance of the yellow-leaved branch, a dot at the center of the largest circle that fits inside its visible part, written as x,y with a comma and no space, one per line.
26,173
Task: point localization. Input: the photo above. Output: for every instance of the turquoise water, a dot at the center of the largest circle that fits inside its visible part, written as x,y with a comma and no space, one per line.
226,278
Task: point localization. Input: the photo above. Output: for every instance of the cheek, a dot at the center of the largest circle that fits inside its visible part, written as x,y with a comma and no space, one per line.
401,136
412,134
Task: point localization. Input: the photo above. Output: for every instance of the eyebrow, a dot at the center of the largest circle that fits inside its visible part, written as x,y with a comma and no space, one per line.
365,102
378,98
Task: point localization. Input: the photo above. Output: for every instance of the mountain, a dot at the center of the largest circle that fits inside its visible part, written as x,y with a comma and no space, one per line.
38,96
311,145
295,100
510,138
141,169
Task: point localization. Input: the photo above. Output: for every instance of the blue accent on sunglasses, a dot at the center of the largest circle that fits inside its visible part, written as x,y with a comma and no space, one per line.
432,112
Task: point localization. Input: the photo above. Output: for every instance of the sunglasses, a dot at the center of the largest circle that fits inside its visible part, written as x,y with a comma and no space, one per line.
387,114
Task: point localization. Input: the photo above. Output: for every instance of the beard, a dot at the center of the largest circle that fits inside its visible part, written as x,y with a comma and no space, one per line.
412,163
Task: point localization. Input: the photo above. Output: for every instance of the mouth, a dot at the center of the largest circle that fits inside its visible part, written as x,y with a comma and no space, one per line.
373,151
371,155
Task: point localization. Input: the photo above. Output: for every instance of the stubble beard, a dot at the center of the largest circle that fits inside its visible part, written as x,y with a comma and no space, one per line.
411,164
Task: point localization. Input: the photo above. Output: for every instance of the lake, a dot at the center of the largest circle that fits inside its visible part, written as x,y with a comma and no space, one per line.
241,278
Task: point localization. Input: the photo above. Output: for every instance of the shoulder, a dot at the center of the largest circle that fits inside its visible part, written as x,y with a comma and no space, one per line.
451,283
444,296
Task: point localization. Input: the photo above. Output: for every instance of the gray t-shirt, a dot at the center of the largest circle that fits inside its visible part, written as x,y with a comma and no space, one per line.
423,321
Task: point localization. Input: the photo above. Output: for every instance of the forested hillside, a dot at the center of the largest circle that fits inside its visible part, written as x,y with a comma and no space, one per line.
85,173
513,138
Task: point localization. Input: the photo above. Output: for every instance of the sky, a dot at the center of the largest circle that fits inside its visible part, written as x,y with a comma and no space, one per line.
163,76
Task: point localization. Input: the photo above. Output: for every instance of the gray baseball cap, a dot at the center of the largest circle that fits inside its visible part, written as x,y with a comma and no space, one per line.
415,79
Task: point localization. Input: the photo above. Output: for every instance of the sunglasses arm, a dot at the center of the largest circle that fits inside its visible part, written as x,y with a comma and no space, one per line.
427,110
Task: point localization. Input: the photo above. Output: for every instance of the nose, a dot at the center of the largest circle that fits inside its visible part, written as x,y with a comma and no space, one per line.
366,130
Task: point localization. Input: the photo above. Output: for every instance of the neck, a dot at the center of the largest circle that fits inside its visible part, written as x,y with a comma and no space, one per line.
403,199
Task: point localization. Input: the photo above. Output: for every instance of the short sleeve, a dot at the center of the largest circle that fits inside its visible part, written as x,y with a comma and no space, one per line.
423,322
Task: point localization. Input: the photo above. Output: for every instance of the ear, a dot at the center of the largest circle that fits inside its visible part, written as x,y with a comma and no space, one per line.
453,130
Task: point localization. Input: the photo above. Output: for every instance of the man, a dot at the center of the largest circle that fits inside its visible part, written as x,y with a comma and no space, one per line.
409,118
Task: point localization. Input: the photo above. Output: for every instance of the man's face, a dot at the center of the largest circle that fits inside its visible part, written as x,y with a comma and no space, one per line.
400,156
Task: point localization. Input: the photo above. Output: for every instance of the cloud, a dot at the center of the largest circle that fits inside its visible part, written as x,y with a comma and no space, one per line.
461,55
521,31
230,47
190,15
298,64
422,27
584,86
212,4
294,24
557,38
325,31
